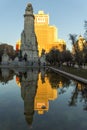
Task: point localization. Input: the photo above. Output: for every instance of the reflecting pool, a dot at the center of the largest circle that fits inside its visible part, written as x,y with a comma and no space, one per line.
40,99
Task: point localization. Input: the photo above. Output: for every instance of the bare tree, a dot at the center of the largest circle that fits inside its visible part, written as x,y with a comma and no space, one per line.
85,27
73,39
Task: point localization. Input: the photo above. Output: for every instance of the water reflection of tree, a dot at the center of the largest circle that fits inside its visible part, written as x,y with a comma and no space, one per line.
43,74
6,75
74,97
55,79
79,93
84,96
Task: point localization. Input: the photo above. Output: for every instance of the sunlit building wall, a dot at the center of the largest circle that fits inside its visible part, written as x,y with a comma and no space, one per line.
18,44
60,45
81,43
47,35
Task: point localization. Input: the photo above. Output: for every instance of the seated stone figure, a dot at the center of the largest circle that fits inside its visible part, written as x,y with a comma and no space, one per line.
5,58
29,7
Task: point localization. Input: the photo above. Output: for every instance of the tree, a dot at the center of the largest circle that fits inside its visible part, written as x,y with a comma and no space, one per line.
53,57
77,53
9,49
73,39
67,57
85,27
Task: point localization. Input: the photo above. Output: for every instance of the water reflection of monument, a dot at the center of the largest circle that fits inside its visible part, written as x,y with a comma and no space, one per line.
28,82
36,90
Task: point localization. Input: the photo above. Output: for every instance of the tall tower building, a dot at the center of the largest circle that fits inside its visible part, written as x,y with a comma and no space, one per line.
47,36
29,44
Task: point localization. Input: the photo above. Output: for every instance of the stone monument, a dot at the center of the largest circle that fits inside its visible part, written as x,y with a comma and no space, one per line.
29,46
5,58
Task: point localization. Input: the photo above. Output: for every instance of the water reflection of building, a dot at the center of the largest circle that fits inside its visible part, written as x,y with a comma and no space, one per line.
80,86
44,93
18,81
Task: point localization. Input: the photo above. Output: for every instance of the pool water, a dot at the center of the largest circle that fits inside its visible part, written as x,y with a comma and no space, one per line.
40,99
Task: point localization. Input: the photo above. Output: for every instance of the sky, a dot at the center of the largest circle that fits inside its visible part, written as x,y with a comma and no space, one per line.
67,15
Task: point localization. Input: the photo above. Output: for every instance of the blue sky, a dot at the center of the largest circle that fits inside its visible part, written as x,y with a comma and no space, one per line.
67,15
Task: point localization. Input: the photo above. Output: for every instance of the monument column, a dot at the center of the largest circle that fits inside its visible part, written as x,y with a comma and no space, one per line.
29,44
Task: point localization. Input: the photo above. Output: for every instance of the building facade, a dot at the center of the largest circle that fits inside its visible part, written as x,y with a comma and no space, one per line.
47,34
80,44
